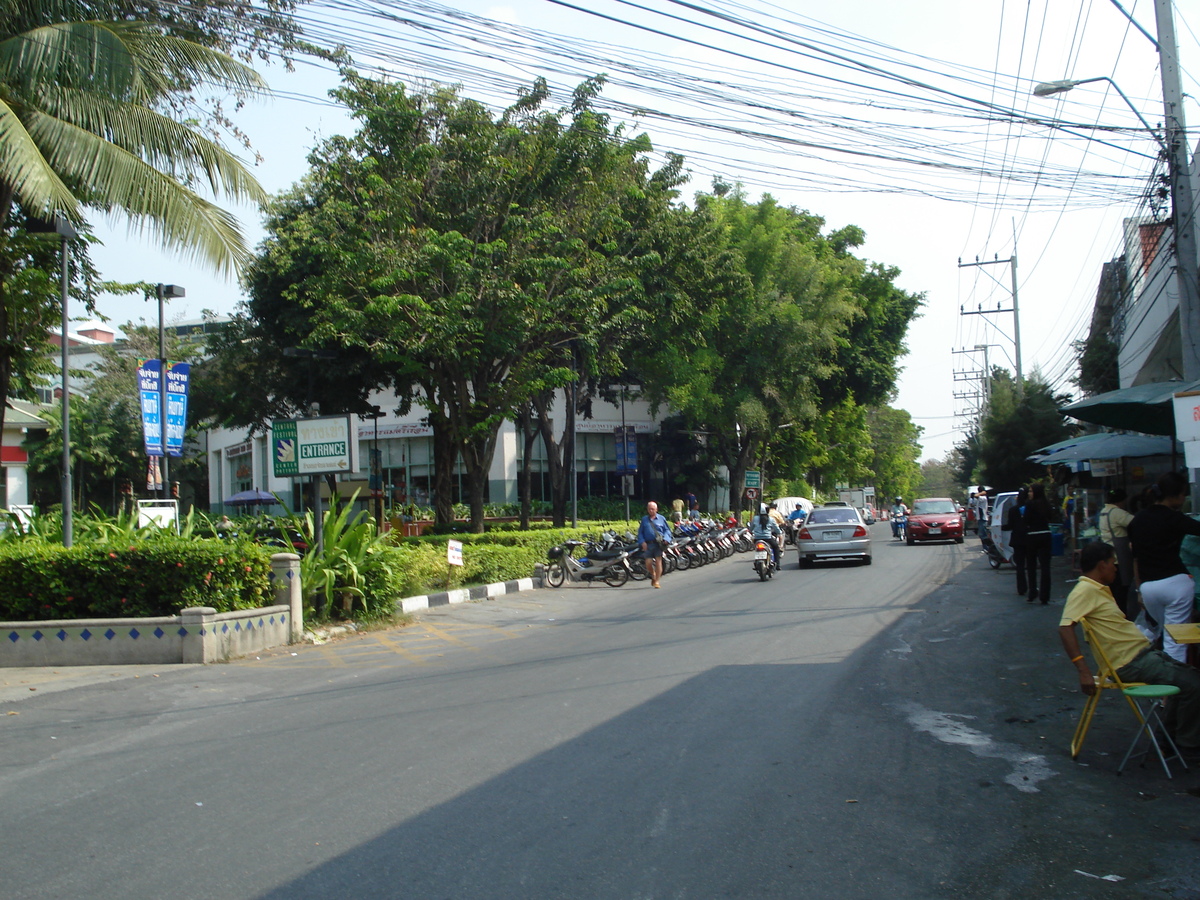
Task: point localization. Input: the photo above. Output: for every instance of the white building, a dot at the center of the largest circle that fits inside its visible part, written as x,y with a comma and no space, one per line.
241,462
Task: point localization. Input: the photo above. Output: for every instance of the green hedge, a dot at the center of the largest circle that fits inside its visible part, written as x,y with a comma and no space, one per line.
151,578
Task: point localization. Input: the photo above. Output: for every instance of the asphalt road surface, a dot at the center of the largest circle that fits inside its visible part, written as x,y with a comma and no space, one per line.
898,730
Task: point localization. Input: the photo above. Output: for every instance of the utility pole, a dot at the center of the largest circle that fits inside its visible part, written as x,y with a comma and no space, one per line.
1183,211
1015,310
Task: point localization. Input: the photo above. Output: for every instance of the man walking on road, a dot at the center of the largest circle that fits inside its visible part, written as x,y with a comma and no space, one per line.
653,534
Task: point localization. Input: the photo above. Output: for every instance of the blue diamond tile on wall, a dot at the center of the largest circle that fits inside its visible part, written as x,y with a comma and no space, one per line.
182,631
110,634
134,633
237,626
13,636
61,635
272,620
158,632
260,622
225,628
37,635
85,634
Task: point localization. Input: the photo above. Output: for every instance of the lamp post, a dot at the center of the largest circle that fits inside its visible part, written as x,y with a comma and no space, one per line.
60,226
1174,147
164,291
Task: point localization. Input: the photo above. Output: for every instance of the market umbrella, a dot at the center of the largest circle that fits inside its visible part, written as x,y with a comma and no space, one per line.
248,498
1110,446
1144,407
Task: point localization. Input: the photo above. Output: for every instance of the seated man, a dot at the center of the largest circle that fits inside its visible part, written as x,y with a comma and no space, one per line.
1125,646
765,529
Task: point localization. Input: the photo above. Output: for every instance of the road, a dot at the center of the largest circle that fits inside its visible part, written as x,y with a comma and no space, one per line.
896,731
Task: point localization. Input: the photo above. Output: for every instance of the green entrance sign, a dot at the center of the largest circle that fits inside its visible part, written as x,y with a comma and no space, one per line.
321,446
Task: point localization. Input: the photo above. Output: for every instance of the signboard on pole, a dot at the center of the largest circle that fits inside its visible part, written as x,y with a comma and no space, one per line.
149,373
454,552
320,446
626,444
1187,426
178,376
753,480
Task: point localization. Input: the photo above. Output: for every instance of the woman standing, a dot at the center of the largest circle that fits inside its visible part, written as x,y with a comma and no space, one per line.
1037,518
1155,535
1014,524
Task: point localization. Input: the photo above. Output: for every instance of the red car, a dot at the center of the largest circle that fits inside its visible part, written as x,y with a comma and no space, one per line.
935,519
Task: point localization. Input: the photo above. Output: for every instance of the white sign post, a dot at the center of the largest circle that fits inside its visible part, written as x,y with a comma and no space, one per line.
454,553
1187,426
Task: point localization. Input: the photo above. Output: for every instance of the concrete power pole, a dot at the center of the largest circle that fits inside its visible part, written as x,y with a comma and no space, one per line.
1183,210
1015,310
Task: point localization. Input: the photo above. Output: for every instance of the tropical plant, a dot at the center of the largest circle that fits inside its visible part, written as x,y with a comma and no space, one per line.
339,568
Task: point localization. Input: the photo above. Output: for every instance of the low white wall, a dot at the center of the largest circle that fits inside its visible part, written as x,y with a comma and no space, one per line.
198,635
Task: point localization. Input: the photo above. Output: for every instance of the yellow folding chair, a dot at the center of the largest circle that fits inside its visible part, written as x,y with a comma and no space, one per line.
1106,679
1149,721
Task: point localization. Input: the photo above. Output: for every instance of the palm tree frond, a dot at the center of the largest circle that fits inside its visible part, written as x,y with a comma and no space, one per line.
34,182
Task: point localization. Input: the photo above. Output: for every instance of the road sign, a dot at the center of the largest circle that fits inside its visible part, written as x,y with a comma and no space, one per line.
319,446
753,480
752,493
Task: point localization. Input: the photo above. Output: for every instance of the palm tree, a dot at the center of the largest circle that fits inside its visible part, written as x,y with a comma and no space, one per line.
81,126
84,101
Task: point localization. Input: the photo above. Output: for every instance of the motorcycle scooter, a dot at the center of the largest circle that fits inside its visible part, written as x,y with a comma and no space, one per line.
606,566
764,563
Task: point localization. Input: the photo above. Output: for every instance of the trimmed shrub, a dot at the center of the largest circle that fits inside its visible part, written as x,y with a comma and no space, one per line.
151,578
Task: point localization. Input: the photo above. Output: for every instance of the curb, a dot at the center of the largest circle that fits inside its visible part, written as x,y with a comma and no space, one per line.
465,595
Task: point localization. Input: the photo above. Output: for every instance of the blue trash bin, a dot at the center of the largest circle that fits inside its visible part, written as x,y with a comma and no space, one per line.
1058,541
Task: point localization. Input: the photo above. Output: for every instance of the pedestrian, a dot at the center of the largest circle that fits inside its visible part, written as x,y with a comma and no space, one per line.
1114,522
677,510
1014,524
981,513
693,506
653,534
1155,536
1038,516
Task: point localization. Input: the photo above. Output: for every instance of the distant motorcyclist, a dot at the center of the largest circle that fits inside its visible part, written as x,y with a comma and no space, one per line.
764,529
899,511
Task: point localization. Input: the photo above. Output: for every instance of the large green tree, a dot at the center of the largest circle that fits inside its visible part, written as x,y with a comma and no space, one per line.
1014,425
461,257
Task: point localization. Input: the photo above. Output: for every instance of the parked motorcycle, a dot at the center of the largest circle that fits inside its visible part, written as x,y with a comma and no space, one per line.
599,565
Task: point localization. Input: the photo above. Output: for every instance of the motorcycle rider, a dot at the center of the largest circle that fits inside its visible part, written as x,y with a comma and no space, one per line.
763,528
898,510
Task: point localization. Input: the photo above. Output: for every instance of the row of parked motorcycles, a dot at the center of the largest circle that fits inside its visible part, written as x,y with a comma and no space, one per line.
616,559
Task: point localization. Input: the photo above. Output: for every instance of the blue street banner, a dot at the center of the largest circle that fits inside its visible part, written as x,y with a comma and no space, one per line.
150,390
626,443
178,378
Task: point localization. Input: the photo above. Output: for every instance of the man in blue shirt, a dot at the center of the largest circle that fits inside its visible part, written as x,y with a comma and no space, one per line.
653,535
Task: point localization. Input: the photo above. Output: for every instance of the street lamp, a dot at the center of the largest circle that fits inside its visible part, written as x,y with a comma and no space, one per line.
1174,147
164,291
66,231
1050,88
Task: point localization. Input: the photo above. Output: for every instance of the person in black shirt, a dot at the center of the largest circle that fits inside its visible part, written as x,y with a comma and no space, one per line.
1155,535
1038,544
1014,524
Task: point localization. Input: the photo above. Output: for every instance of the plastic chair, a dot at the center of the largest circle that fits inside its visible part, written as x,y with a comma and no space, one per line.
1154,694
1106,679
1134,691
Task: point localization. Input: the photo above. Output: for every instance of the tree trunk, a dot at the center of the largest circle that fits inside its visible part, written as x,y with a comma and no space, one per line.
477,459
529,431
445,454
560,493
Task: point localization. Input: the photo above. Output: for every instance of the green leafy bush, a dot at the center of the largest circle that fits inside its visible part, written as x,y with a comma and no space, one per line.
151,578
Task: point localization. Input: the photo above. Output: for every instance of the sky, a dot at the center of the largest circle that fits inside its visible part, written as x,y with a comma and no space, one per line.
914,121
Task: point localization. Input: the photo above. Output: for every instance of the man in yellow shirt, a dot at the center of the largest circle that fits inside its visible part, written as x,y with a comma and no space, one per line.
1125,646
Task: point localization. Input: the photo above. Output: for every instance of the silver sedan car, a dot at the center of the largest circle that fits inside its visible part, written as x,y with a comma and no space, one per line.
833,533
